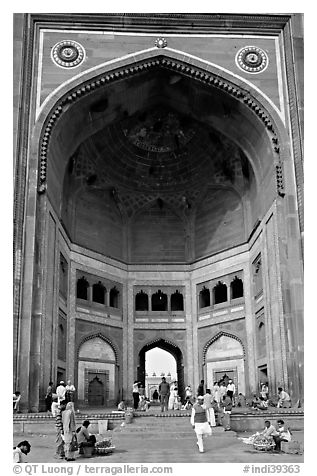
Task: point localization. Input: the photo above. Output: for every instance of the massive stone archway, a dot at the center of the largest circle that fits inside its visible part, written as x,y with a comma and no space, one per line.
70,128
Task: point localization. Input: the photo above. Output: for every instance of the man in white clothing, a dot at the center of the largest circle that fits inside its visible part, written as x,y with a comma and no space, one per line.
61,392
231,389
200,422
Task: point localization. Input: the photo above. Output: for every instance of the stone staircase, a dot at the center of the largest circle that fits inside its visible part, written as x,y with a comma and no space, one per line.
162,426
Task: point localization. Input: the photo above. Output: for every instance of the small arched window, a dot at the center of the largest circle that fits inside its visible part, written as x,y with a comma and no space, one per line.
114,297
98,293
141,301
177,301
236,287
220,293
82,288
204,298
159,301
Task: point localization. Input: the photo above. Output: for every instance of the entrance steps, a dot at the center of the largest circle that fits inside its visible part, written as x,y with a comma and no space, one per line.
168,426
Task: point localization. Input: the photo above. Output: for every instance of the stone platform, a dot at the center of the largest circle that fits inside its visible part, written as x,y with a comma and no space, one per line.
152,437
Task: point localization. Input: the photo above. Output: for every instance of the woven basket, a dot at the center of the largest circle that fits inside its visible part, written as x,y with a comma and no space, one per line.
104,451
263,446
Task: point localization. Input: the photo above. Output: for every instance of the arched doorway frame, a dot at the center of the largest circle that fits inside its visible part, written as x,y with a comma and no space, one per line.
170,347
104,338
212,340
73,90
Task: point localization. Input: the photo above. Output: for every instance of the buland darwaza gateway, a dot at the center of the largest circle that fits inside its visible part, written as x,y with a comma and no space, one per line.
158,201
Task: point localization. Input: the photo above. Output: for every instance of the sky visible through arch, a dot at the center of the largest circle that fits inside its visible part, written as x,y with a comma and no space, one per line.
158,361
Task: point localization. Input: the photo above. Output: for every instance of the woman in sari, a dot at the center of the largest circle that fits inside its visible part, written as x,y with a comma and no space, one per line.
69,428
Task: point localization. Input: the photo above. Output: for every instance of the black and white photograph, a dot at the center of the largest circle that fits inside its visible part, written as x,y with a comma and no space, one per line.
158,221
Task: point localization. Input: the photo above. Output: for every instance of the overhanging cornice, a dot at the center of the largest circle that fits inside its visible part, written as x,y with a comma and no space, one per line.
186,23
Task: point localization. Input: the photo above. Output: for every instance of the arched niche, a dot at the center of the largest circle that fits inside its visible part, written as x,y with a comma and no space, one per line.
96,372
225,356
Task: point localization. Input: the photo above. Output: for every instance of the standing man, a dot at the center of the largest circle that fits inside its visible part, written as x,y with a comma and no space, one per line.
61,391
49,397
231,389
70,391
208,399
201,389
136,394
200,422
164,391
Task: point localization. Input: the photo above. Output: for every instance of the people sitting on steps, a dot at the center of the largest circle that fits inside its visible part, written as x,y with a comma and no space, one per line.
284,400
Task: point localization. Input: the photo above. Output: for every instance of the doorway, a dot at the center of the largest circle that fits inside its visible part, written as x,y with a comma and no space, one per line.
97,389
174,351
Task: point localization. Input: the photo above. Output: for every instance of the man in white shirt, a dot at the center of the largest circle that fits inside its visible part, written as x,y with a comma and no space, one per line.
21,451
284,399
61,391
231,389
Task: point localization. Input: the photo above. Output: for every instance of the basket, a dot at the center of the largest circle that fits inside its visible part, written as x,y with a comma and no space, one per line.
104,451
262,443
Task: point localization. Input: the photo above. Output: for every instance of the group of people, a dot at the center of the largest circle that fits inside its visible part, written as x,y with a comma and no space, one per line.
66,433
271,437
63,392
263,400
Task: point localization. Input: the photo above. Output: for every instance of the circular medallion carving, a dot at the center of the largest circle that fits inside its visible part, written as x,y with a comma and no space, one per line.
252,59
160,42
68,54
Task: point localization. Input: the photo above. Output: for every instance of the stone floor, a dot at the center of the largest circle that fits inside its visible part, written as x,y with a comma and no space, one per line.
161,440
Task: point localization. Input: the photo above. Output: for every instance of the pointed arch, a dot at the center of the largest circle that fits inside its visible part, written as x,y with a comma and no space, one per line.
216,337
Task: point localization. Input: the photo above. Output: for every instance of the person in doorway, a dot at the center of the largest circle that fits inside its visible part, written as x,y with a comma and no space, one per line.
164,391
21,451
208,399
264,391
155,396
59,442
284,399
70,392
49,397
69,429
136,394
281,434
61,391
200,423
231,390
201,389
222,391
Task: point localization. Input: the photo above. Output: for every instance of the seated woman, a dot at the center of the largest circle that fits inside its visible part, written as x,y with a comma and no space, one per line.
84,438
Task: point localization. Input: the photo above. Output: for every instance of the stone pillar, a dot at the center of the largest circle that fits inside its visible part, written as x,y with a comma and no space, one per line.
71,357
274,305
125,341
250,358
190,315
132,366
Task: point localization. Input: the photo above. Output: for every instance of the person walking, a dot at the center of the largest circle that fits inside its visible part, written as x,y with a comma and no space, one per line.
136,394
200,422
164,391
59,442
69,429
